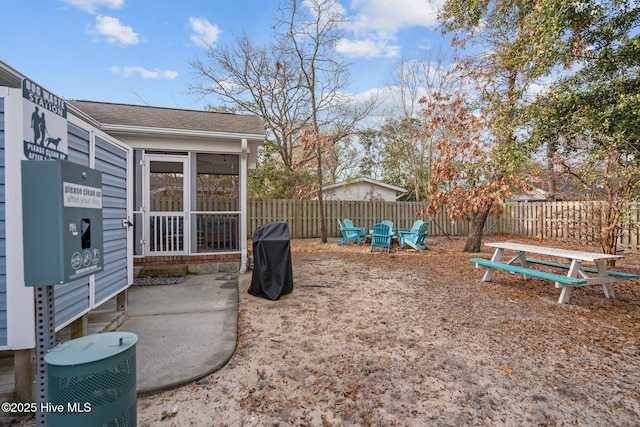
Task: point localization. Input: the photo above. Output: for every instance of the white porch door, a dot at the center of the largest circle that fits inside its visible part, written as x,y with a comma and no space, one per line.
167,196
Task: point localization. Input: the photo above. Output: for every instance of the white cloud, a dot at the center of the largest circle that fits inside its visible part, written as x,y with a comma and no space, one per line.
114,31
144,73
90,6
368,48
376,23
204,33
328,10
425,44
229,84
385,15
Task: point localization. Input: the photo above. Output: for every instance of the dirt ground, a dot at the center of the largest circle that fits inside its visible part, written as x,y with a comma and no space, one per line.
410,339
414,339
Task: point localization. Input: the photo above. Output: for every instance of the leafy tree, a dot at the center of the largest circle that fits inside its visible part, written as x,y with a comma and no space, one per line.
341,159
501,63
400,147
369,140
464,179
407,155
589,119
510,45
272,180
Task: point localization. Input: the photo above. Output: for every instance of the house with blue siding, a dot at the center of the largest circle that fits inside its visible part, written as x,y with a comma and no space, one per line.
160,170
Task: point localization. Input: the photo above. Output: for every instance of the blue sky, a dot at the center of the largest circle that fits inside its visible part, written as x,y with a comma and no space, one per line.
138,51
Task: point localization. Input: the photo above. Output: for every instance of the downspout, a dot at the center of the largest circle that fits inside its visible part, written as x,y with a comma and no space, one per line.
243,206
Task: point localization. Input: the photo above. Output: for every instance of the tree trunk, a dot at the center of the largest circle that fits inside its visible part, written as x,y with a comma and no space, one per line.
323,222
552,184
474,239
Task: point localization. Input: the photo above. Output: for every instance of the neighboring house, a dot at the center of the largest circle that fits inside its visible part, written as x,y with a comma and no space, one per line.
534,195
362,189
568,189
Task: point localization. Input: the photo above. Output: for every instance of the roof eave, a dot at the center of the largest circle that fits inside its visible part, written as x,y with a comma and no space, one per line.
365,180
184,133
82,115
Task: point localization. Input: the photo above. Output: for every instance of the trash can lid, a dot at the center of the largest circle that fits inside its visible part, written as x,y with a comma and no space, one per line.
90,348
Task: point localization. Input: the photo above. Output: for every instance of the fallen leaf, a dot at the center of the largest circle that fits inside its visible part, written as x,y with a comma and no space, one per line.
507,369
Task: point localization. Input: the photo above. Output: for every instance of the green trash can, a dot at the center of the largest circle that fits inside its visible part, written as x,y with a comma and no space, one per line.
92,381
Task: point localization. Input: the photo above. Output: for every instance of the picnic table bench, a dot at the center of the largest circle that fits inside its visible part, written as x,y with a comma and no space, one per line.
577,274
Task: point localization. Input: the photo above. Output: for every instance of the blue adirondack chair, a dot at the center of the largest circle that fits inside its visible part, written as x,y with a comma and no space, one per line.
349,224
381,237
349,234
388,223
415,235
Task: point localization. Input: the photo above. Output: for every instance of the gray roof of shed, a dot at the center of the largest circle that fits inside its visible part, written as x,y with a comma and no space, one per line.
169,118
361,180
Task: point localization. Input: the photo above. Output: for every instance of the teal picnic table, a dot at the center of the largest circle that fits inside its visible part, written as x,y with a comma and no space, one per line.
577,273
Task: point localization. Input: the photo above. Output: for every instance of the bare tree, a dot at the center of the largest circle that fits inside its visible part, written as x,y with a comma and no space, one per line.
413,80
296,84
261,80
408,149
310,30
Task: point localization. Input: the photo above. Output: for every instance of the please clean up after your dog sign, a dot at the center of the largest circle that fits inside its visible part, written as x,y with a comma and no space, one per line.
45,123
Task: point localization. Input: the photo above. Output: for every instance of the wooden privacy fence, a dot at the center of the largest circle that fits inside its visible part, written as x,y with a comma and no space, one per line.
574,221
304,219
579,222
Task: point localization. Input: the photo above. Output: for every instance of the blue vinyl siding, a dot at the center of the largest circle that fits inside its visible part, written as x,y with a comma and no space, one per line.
78,145
3,234
112,162
73,299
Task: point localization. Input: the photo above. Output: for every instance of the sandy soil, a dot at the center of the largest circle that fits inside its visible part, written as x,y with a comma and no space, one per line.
410,339
413,339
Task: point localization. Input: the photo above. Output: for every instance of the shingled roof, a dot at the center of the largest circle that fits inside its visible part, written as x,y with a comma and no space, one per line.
169,118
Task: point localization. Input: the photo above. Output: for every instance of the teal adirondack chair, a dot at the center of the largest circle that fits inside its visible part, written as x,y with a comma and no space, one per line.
349,224
388,223
381,237
415,235
350,234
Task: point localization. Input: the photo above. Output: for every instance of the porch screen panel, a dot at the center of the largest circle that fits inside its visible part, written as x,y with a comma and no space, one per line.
3,234
167,204
112,162
216,213
72,300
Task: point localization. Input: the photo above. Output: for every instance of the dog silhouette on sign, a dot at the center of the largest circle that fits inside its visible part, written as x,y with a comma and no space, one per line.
54,142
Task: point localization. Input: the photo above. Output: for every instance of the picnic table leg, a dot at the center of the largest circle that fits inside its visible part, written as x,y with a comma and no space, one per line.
521,258
602,272
488,275
565,294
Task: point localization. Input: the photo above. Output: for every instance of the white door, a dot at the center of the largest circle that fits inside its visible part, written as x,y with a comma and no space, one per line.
167,196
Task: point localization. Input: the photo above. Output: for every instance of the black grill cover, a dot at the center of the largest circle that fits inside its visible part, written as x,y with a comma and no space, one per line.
272,270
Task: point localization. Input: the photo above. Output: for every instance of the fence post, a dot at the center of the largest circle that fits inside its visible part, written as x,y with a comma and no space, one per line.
297,215
540,221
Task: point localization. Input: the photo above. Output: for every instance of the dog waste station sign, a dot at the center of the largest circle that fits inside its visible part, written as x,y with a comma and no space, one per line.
62,221
44,124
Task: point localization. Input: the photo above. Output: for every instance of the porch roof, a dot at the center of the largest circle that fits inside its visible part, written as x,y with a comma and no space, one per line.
140,116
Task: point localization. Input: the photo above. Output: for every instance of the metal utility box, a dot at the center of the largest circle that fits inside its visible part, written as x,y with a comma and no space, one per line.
61,221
